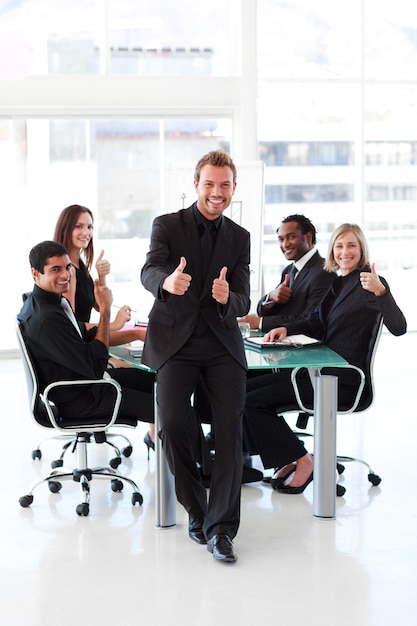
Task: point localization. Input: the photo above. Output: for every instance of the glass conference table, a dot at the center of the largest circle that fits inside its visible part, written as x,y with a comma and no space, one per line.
312,357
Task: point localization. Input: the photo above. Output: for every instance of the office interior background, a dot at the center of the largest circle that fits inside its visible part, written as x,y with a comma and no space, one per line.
109,103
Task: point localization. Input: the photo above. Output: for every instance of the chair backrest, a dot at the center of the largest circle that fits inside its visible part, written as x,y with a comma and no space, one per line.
367,396
364,395
45,412
40,416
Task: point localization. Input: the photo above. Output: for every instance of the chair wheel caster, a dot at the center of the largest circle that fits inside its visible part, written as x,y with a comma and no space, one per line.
83,509
25,501
127,451
36,454
137,498
374,479
340,468
54,486
340,490
114,463
116,485
57,463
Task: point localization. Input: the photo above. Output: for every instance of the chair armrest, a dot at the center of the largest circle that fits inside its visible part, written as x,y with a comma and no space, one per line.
49,404
294,373
310,411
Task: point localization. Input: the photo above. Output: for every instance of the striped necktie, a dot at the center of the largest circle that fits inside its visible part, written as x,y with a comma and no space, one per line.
70,313
292,273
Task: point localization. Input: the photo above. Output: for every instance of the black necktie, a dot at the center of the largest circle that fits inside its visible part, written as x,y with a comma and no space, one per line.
206,242
292,274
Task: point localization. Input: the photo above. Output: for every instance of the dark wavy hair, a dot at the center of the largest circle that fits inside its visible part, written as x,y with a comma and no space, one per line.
66,224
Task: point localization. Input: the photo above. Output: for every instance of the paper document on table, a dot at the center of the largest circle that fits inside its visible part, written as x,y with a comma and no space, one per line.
291,341
135,348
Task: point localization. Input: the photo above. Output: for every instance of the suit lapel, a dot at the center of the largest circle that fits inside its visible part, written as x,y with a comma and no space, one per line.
192,240
344,293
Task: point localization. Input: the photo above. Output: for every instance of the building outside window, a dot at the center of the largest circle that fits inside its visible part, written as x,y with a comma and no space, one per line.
336,122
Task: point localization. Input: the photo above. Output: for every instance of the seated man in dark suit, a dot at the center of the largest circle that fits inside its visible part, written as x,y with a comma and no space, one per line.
303,285
64,349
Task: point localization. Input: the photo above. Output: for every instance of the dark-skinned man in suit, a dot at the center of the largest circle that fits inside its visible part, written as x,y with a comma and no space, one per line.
303,285
291,302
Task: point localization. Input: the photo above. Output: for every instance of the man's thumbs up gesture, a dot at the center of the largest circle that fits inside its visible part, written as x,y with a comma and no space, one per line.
370,281
282,293
177,283
220,289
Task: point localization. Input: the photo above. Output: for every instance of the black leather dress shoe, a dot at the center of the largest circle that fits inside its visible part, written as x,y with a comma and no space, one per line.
195,531
251,475
221,547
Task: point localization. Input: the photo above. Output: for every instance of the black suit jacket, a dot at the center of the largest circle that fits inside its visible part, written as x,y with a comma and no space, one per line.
308,289
173,319
60,353
345,318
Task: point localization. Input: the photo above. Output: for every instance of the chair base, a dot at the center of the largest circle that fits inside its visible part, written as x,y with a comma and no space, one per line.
373,478
83,475
70,439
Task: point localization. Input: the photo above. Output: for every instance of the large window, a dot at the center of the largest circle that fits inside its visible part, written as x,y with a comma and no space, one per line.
337,126
99,97
150,37
117,168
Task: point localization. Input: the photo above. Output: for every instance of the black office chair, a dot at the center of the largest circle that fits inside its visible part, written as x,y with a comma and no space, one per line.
68,438
361,402
46,414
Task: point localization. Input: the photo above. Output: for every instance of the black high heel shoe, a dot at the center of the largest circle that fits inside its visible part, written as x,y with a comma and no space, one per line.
149,443
300,489
279,481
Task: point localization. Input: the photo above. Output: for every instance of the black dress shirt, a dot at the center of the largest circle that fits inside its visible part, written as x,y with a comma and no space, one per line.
59,352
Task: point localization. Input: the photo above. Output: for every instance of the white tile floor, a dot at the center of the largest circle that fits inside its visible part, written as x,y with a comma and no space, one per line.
114,567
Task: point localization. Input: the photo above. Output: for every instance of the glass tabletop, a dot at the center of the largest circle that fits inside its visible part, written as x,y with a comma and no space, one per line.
308,356
122,353
316,355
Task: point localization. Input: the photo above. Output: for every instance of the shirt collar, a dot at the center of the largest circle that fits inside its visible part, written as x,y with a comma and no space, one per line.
200,219
46,295
304,259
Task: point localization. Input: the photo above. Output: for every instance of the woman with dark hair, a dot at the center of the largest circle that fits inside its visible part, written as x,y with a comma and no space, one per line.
344,321
74,229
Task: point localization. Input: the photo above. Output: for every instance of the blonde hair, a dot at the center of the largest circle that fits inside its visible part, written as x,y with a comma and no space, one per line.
330,264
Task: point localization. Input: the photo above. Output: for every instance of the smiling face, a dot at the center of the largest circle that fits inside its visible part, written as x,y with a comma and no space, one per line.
82,232
293,243
56,275
214,190
347,252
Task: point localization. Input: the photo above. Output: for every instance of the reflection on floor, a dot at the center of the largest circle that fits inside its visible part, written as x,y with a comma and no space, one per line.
115,567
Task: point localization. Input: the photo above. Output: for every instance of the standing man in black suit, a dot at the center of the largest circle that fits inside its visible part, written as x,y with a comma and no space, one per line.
303,283
193,332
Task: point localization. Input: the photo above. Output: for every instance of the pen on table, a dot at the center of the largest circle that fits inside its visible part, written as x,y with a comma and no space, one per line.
119,307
